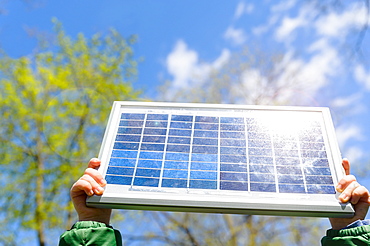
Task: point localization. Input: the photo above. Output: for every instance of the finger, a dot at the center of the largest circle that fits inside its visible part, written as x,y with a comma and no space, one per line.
346,165
96,175
95,187
360,193
94,163
345,182
348,191
81,185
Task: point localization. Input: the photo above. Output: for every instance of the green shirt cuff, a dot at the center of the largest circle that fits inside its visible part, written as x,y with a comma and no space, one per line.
352,236
91,233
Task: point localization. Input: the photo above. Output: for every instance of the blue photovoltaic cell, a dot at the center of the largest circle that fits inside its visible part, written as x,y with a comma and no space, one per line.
125,162
153,139
182,118
151,182
118,179
157,116
128,130
202,184
204,157
181,125
208,119
150,155
174,183
160,124
123,154
136,123
149,163
177,156
234,167
193,151
176,164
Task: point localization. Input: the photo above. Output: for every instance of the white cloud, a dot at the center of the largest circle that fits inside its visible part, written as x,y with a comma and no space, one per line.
362,76
297,80
252,80
277,13
283,6
288,26
350,105
180,63
280,85
346,132
259,30
251,87
342,102
353,154
324,62
184,65
222,59
243,8
332,25
237,36
337,25
291,80
249,8
239,10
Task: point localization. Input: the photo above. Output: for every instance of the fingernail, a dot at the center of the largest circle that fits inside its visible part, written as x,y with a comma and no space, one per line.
339,188
99,190
344,197
103,182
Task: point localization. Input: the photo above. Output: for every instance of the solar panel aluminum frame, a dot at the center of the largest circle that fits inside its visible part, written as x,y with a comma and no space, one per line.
211,201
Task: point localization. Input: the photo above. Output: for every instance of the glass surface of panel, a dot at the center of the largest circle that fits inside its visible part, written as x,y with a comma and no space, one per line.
217,150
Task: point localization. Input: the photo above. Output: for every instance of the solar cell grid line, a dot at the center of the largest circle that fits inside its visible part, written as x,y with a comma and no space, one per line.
275,136
219,157
160,121
273,154
164,152
247,152
302,164
138,152
190,152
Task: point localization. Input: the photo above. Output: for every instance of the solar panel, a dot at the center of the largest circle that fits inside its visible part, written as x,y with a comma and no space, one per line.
221,158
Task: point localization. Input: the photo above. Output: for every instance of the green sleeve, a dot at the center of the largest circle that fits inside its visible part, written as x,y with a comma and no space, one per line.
356,236
91,233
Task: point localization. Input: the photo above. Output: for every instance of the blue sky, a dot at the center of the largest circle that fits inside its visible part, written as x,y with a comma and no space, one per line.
181,39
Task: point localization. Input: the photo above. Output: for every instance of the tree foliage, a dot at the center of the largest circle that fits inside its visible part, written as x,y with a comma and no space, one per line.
54,106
